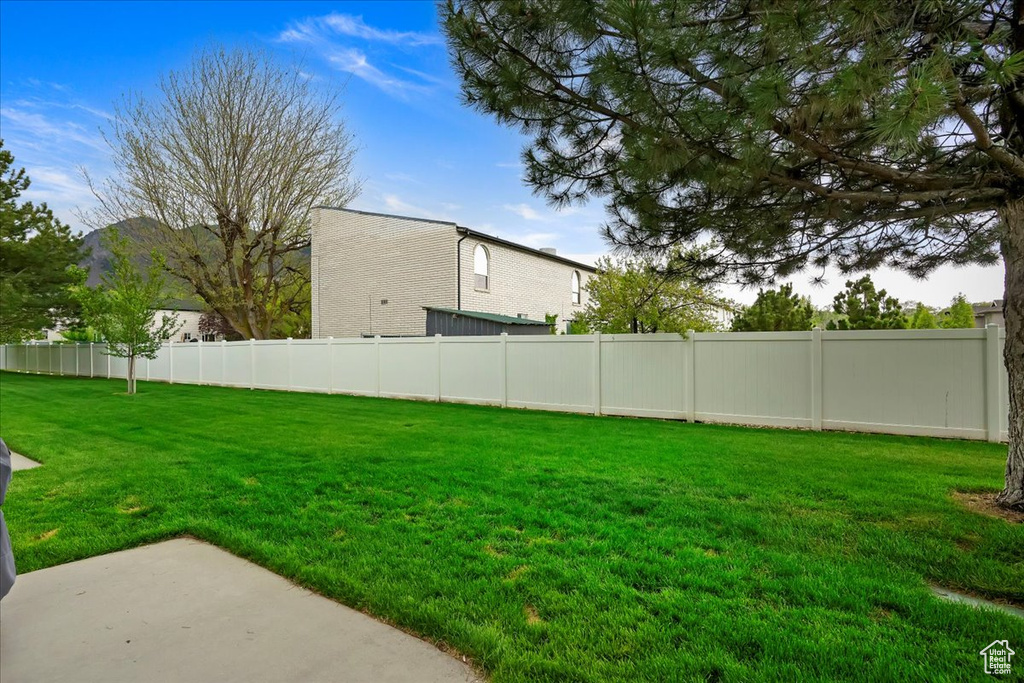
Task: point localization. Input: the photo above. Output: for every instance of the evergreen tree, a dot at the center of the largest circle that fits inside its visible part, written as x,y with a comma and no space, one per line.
862,307
38,257
775,311
959,315
853,132
923,318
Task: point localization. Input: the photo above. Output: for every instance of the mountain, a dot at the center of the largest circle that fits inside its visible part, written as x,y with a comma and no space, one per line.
98,262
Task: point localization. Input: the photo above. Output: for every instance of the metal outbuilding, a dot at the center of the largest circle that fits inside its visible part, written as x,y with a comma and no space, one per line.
450,322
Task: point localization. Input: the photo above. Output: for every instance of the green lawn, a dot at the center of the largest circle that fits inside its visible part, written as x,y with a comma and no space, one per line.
543,546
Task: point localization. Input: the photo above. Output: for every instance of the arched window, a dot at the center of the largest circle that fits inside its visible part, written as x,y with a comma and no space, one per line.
481,265
575,286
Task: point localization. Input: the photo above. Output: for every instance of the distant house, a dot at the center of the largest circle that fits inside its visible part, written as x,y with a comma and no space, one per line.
188,312
989,313
376,274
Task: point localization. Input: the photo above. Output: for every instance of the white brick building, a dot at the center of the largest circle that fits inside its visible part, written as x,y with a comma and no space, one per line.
374,273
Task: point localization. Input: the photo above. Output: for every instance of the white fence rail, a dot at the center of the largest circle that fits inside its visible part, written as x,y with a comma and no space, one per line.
920,382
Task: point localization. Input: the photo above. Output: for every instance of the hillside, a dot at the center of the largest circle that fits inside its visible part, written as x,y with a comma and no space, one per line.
98,262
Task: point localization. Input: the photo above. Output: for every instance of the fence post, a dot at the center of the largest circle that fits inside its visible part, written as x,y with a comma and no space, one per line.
199,350
691,387
78,362
437,348
60,360
597,374
504,369
170,362
224,362
376,353
92,368
816,384
993,363
330,365
108,360
252,364
288,356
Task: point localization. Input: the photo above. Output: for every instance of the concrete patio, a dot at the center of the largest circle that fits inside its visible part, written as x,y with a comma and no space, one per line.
183,610
20,462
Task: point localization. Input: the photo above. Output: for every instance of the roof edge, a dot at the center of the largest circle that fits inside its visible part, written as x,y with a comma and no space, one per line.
484,315
385,215
522,247
468,231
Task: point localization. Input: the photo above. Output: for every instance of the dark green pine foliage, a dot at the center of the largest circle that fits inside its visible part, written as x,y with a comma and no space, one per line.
863,307
960,314
775,310
789,135
38,254
797,134
923,318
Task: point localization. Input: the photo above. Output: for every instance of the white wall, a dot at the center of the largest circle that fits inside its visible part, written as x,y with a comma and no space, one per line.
189,321
361,259
920,382
522,283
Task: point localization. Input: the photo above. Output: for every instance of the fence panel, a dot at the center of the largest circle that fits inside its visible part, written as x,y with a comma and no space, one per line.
309,361
905,382
187,363
757,378
118,367
82,359
930,382
237,364
354,367
640,376
551,373
473,370
408,368
271,365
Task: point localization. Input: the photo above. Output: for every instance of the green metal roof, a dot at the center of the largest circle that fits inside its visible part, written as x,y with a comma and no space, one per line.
492,317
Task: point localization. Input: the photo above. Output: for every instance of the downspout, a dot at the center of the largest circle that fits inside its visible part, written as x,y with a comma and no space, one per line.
458,270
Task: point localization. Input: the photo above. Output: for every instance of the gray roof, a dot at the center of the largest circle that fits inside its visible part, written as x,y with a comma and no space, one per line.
474,233
492,317
183,305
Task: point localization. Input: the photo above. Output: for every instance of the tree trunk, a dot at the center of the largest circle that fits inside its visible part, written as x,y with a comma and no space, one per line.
1012,247
131,375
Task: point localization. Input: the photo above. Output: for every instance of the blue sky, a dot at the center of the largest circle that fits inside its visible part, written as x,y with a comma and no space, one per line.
63,67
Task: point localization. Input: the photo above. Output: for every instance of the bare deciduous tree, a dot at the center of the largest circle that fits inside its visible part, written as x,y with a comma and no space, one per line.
229,161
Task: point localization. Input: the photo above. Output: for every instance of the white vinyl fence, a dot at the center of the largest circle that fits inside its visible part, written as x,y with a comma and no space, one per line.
921,382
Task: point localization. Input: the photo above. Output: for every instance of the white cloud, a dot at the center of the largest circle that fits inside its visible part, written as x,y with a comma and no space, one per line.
509,164
42,128
395,204
524,211
355,62
537,239
354,26
320,34
402,178
62,192
588,259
